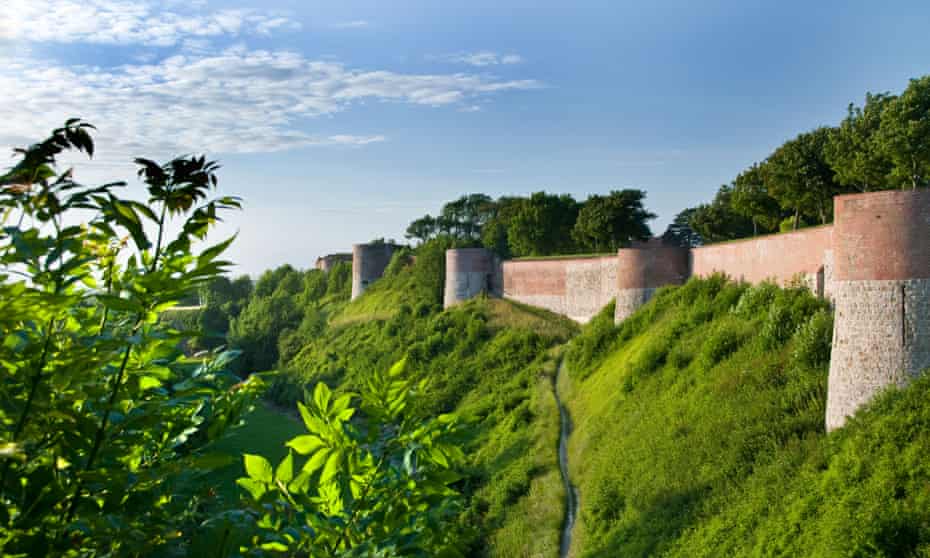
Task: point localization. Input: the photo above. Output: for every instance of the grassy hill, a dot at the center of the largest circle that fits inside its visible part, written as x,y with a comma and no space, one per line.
699,431
698,422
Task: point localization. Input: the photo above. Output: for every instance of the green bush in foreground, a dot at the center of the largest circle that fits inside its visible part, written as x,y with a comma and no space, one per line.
375,483
106,423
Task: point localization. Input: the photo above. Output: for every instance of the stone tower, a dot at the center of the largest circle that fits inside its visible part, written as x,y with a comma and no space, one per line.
643,268
368,264
881,291
469,272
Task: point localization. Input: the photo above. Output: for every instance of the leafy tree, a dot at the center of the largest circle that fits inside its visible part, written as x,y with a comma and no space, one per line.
611,221
750,198
717,221
799,177
107,423
422,229
494,231
905,133
855,151
375,483
680,233
542,225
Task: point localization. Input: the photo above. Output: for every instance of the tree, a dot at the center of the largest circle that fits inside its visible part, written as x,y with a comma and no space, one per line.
680,233
542,225
905,134
800,179
750,198
422,229
717,221
611,221
107,423
855,151
494,231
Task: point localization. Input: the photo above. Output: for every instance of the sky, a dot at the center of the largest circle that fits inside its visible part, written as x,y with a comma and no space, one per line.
340,122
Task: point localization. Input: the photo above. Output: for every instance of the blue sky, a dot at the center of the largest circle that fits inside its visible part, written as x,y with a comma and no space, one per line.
339,122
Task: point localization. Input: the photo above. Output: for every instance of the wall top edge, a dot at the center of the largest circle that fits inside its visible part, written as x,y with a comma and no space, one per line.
799,232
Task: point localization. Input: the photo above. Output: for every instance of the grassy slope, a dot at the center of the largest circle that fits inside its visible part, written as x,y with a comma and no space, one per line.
491,361
699,432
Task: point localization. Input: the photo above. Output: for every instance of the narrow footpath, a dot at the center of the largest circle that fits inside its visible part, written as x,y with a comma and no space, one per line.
571,493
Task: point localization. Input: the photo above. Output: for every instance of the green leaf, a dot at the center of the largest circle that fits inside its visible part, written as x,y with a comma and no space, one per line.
314,463
333,465
148,382
274,547
398,368
321,396
305,444
285,471
255,488
258,468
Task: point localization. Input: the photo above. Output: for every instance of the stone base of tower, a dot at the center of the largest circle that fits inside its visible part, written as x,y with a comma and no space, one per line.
881,338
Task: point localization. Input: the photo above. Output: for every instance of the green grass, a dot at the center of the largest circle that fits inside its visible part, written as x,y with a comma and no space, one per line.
699,432
265,431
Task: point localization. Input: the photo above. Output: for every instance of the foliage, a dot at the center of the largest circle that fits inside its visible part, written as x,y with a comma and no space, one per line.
612,221
905,134
800,178
718,221
855,150
374,483
107,423
542,225
286,309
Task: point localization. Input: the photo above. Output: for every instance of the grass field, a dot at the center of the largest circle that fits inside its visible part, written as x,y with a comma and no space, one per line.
264,433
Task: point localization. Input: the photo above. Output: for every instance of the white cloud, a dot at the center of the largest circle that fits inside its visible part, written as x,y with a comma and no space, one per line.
233,101
355,24
146,22
483,58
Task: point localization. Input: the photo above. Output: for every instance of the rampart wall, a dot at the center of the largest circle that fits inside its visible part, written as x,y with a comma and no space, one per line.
873,263
804,255
575,287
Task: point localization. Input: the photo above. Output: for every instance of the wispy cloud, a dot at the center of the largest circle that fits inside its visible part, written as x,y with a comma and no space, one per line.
482,58
354,24
237,100
144,22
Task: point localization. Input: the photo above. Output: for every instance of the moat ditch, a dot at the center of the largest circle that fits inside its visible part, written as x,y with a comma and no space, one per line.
571,492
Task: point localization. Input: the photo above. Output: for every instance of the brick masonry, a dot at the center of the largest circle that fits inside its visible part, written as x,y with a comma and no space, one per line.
575,287
368,264
470,272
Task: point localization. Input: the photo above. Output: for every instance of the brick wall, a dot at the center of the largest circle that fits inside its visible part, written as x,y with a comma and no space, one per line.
575,287
782,257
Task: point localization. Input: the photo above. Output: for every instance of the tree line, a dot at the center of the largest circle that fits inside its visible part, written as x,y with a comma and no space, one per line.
540,224
882,145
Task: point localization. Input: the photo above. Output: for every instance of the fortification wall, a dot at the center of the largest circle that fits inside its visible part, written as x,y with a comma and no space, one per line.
368,264
470,272
881,292
325,263
800,255
643,268
575,287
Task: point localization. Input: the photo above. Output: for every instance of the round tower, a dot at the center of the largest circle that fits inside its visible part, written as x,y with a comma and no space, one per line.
881,293
368,264
643,268
469,272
